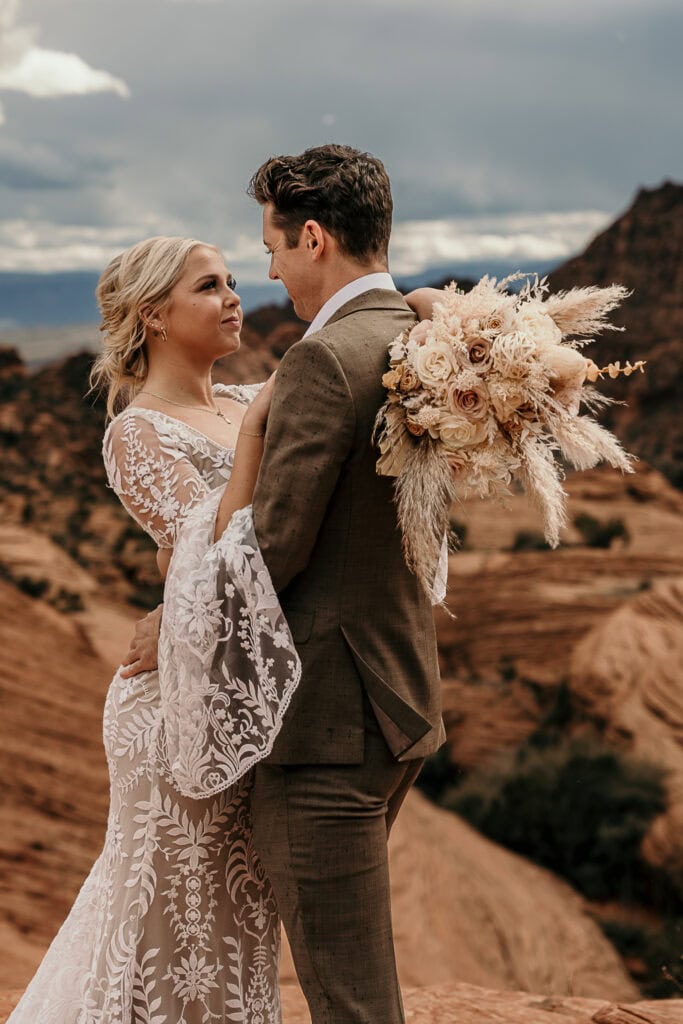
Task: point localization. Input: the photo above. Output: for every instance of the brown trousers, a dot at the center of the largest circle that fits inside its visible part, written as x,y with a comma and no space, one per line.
321,832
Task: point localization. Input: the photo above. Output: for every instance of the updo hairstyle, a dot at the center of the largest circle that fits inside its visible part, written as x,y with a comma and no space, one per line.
142,277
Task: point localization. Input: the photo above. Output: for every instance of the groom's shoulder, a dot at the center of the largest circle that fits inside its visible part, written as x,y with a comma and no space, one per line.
373,320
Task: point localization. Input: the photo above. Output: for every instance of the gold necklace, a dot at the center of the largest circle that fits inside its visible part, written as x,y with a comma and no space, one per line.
216,411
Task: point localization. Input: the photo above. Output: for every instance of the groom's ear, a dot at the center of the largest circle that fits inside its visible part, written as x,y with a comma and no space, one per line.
315,239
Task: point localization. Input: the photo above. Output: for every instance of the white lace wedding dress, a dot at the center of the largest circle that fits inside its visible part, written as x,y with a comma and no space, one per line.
176,923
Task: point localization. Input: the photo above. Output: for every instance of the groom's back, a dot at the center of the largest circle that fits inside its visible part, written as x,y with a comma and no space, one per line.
359,618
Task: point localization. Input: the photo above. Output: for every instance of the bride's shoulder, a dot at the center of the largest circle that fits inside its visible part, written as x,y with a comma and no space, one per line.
136,424
244,393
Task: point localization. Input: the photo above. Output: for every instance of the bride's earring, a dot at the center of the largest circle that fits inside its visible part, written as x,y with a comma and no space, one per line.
160,330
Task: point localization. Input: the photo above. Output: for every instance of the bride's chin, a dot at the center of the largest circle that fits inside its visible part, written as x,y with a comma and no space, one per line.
231,346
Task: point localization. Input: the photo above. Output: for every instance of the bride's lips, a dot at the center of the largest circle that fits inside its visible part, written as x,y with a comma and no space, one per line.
231,321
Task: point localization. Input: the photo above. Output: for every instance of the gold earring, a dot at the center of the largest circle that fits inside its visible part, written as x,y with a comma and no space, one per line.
164,335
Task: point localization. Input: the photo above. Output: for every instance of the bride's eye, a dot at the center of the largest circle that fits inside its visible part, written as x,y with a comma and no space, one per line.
209,284
231,283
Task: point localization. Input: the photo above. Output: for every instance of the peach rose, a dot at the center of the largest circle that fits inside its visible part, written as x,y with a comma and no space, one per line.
416,429
409,380
471,403
479,353
391,379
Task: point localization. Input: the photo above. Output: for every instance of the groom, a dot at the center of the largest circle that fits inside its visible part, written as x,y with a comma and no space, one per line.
367,710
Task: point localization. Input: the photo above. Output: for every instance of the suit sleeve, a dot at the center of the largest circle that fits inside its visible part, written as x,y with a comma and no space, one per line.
309,436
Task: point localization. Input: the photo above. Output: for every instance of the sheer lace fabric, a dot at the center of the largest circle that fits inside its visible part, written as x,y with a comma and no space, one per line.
176,923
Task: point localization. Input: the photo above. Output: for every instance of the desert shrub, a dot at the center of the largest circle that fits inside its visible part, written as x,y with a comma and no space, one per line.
438,774
576,806
67,601
32,586
530,540
597,534
653,955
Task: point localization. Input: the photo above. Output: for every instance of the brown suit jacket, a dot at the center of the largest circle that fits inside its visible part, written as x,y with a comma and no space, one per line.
326,524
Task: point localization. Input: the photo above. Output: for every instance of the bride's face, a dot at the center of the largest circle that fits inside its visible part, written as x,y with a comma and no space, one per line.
203,314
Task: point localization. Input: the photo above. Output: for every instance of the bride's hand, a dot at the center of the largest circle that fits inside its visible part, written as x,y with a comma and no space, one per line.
256,416
422,301
142,653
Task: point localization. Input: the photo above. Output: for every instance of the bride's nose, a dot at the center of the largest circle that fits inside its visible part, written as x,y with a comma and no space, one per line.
231,299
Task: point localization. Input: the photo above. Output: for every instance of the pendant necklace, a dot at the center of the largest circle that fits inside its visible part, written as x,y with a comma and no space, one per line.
216,411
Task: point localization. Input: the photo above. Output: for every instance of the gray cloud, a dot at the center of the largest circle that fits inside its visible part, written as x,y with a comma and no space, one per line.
480,112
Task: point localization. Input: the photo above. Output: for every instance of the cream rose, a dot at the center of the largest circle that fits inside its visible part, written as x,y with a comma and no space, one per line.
457,432
434,363
498,322
532,321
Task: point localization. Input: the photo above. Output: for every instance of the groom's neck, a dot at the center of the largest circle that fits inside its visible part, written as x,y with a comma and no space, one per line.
344,273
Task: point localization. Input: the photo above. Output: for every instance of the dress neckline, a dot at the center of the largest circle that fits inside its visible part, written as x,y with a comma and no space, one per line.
131,409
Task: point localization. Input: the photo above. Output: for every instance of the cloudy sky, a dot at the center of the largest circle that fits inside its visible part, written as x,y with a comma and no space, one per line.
510,130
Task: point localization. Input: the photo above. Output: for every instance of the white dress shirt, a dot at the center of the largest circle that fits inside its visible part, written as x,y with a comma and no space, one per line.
350,291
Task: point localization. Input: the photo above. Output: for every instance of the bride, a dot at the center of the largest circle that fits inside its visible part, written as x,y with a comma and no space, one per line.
176,923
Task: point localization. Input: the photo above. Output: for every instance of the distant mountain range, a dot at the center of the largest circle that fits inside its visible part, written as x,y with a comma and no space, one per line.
68,299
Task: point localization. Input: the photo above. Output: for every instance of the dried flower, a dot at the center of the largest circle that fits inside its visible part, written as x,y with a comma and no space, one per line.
428,416
391,379
415,428
420,333
487,391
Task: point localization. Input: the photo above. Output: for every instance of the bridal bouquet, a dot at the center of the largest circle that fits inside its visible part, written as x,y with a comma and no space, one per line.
487,392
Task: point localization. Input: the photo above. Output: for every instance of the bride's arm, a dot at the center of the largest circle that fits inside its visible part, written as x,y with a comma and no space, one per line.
247,462
164,560
422,301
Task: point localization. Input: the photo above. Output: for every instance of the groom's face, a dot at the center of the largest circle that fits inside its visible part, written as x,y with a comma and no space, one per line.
293,266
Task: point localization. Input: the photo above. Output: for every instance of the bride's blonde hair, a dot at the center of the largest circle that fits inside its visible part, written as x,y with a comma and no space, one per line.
141,278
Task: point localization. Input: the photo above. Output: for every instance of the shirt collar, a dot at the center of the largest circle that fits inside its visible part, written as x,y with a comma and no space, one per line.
350,291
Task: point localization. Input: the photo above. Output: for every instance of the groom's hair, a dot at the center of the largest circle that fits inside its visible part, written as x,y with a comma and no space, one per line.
347,192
